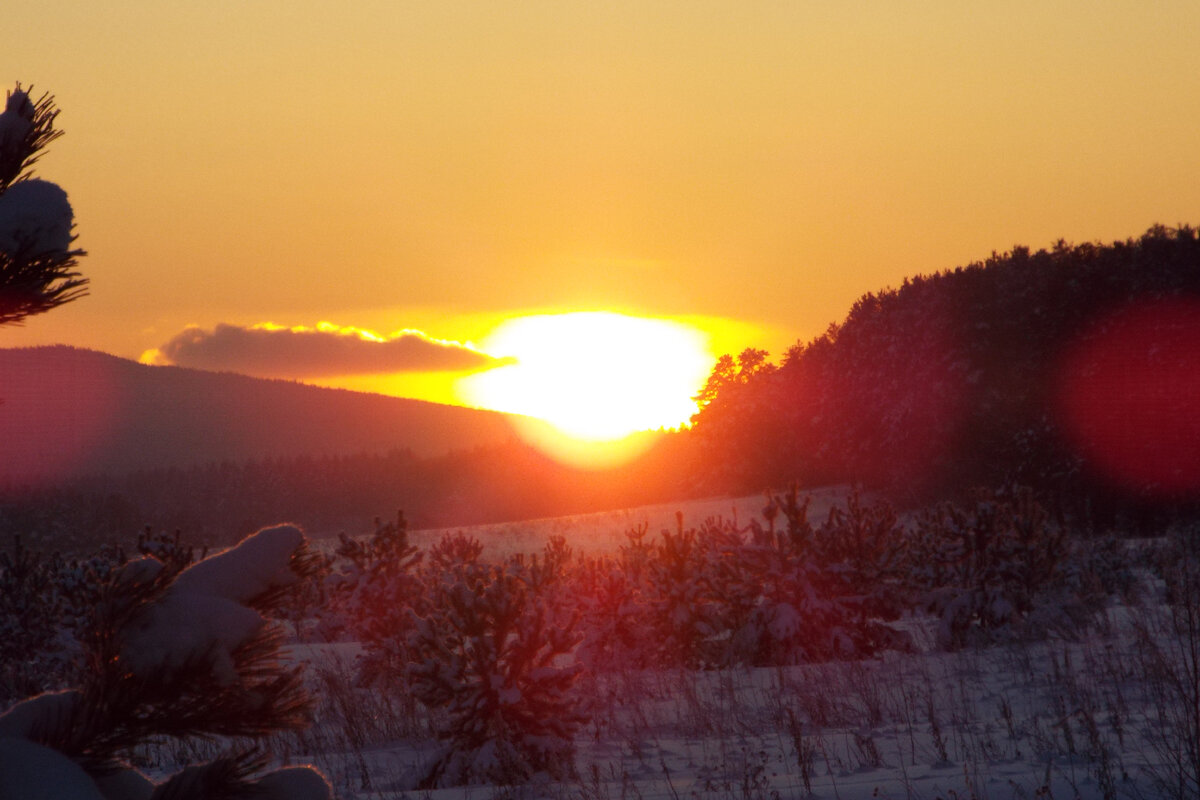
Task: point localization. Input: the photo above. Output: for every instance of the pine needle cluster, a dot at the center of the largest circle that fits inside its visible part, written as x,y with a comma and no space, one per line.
34,278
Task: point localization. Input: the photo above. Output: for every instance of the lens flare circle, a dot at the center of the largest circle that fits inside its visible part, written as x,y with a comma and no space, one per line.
1129,396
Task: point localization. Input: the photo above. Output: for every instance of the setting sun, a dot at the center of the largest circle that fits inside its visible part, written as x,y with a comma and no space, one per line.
594,376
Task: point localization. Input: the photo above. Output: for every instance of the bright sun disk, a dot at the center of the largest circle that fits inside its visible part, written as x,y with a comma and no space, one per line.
595,376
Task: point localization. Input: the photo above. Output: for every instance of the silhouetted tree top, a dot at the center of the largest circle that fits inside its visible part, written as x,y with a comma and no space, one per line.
952,379
37,264
729,373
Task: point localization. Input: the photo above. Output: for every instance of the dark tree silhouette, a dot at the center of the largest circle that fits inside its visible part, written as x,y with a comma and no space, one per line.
37,264
1010,370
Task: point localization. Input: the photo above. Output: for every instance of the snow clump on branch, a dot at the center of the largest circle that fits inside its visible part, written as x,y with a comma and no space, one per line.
179,653
35,218
205,611
17,120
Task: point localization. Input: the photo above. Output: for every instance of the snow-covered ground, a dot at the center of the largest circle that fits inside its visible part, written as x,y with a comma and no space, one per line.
1062,718
989,725
1110,714
1054,720
604,531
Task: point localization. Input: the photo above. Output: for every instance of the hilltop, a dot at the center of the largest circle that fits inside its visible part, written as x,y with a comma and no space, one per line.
69,412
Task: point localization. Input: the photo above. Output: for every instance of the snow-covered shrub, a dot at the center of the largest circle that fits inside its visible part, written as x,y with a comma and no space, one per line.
489,659
622,602
545,575
45,604
34,646
616,620
685,601
173,651
662,602
1175,560
860,547
985,568
167,548
825,592
451,549
1101,567
720,595
371,589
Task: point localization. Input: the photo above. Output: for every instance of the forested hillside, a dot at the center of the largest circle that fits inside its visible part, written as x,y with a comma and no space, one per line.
69,413
1066,369
217,502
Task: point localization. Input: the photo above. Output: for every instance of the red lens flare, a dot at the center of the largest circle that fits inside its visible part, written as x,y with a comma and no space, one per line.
1129,396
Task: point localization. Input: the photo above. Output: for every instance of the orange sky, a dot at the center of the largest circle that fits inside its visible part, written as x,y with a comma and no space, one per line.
442,166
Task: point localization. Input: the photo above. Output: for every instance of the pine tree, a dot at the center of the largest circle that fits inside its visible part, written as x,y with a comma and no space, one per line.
37,263
489,654
986,568
178,651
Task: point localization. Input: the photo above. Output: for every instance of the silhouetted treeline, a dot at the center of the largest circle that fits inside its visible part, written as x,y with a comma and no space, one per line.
951,381
217,503
947,382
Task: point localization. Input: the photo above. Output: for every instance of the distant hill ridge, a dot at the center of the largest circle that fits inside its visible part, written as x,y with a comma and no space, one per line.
66,412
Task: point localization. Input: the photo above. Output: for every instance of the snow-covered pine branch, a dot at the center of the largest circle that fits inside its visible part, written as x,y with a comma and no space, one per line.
37,263
175,651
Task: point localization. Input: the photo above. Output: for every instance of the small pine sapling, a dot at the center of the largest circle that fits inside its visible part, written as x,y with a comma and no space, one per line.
825,592
681,590
452,549
372,590
861,548
984,569
46,605
32,650
616,619
489,656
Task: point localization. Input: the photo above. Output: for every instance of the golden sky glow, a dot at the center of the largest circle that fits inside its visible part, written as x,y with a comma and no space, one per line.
445,166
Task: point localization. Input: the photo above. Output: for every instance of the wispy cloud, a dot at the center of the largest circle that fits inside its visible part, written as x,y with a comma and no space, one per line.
275,351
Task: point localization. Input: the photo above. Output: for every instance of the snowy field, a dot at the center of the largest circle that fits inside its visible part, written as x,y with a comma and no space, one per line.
1064,718
604,532
1106,709
1067,720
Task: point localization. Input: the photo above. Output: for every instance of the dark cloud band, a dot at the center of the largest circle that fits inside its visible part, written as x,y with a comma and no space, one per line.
276,352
